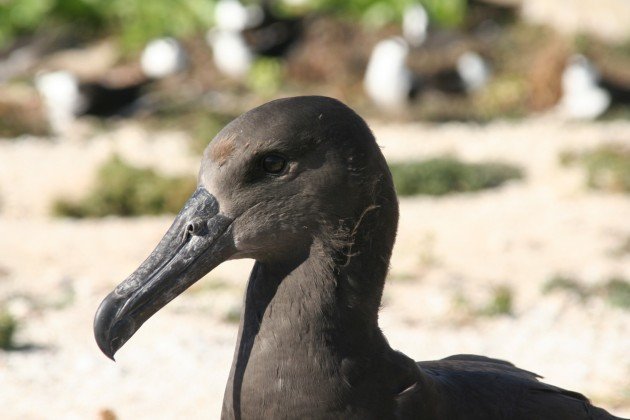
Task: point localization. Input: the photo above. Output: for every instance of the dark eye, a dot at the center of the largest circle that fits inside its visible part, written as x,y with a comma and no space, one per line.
273,164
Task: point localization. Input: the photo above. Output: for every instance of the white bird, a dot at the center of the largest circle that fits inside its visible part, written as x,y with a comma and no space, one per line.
582,97
388,81
162,57
61,97
473,71
415,24
230,53
66,98
232,15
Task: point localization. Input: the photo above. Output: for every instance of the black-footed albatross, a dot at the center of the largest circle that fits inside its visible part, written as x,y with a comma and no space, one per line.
300,185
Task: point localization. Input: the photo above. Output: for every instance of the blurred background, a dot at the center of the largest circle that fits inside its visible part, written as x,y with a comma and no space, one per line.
505,123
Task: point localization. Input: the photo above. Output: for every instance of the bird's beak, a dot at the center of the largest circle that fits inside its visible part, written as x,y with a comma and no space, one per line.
199,240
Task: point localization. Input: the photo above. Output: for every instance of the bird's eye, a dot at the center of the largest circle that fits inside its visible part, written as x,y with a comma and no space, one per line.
273,164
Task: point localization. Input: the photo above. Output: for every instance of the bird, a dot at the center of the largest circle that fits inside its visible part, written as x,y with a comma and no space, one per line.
582,97
473,70
243,33
391,84
470,73
230,53
586,93
388,81
273,35
66,97
162,57
300,185
415,24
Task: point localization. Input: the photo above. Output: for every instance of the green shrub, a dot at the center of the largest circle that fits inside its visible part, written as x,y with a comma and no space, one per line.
19,17
608,168
233,315
564,283
447,175
124,190
8,325
500,303
447,13
617,292
505,96
265,76
137,21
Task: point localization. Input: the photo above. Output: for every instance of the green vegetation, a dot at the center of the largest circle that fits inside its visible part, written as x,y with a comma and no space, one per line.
18,17
8,326
564,283
124,190
500,303
607,167
233,315
616,291
136,21
265,76
446,13
447,175
505,97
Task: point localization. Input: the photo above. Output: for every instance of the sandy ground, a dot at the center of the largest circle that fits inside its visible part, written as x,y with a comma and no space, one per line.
451,254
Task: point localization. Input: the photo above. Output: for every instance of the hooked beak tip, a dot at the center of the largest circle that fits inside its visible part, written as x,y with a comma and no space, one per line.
109,331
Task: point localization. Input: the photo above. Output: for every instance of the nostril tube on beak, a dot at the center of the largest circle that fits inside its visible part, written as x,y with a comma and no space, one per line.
196,227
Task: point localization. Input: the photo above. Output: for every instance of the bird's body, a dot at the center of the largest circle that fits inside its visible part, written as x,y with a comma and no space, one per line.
273,36
301,186
66,97
388,81
582,97
415,24
391,84
243,33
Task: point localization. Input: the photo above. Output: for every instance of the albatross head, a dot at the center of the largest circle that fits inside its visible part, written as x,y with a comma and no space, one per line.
274,181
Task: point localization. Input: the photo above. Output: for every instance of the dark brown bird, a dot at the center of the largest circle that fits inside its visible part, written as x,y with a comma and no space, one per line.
300,185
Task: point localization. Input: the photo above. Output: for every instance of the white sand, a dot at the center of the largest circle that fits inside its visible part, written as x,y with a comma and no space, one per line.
55,272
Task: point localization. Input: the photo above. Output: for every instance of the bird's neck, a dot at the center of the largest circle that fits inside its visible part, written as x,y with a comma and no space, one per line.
309,336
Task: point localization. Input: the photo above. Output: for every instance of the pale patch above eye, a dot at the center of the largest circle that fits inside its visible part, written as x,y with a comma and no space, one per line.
222,150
